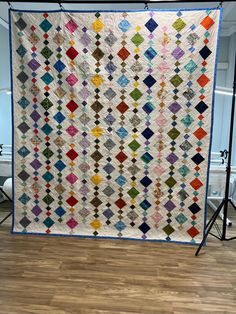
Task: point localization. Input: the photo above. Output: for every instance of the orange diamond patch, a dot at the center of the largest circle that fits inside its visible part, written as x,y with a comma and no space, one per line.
207,22
203,80
200,133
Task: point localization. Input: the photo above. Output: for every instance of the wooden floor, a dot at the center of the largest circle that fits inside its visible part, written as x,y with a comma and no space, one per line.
59,275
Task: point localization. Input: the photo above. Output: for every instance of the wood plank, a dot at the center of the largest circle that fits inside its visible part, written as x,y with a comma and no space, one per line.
93,276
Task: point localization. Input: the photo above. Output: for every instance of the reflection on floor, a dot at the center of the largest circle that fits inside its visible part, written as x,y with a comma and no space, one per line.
60,275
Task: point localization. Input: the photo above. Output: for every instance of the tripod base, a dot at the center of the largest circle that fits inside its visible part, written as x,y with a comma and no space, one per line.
8,215
211,223
5,218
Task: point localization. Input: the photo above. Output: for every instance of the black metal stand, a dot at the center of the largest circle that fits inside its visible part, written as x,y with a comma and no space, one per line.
224,204
8,215
4,193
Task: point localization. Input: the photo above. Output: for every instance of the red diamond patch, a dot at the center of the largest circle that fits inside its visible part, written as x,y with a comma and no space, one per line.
122,107
120,203
72,201
72,154
72,53
121,157
72,106
123,53
193,232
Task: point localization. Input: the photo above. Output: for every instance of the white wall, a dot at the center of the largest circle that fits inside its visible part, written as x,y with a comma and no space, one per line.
5,108
223,103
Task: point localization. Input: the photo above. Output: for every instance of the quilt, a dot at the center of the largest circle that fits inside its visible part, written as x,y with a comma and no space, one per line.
112,119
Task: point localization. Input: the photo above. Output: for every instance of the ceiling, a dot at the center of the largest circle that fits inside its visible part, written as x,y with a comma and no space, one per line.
228,22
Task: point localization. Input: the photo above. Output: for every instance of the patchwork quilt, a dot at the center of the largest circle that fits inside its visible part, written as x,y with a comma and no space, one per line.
112,116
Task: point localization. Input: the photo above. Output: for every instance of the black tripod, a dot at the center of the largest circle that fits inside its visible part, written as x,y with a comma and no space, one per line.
8,215
1,190
226,200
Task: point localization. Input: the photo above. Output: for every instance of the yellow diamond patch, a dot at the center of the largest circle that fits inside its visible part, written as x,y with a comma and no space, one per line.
97,25
96,179
71,42
97,80
96,224
97,132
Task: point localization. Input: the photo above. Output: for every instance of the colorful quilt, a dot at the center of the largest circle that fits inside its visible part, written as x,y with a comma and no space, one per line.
112,122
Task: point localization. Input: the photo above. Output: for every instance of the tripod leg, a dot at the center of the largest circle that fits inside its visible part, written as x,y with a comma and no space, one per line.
209,227
232,204
2,221
5,194
216,213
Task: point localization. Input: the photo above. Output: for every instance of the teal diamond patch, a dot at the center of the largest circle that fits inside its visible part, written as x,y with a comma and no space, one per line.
190,66
181,219
45,25
184,170
47,78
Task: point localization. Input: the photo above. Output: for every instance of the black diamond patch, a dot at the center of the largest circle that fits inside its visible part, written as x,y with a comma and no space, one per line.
144,227
149,81
147,133
201,107
197,159
194,208
205,52
146,181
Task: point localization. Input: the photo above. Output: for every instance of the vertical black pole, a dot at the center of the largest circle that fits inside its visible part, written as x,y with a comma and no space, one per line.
228,168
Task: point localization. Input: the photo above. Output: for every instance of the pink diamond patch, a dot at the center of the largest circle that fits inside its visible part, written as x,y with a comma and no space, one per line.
72,79
72,223
71,130
157,217
163,67
159,170
161,120
71,26
71,178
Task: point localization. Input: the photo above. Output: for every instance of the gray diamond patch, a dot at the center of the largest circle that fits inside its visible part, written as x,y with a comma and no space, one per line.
23,175
84,118
133,169
108,191
110,39
109,144
135,120
109,94
23,127
23,77
21,24
109,168
25,222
